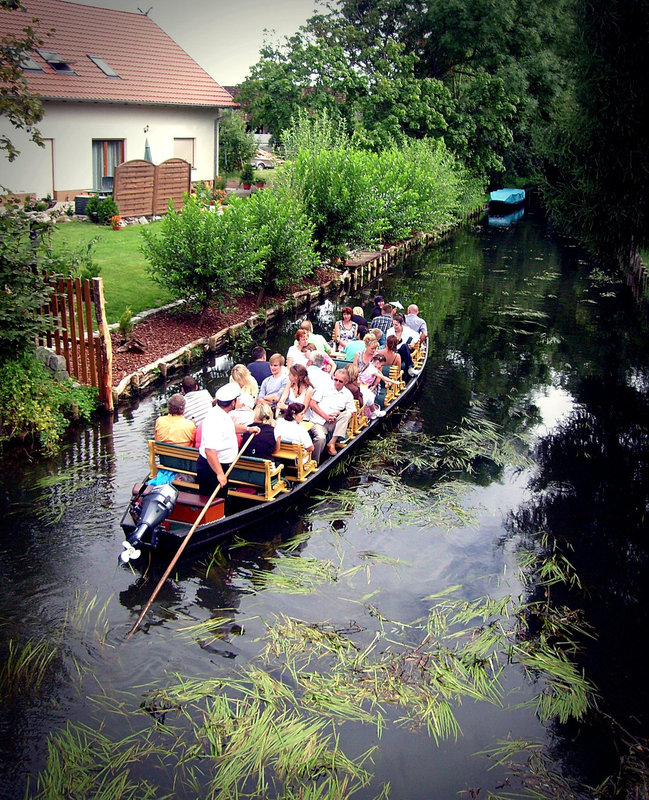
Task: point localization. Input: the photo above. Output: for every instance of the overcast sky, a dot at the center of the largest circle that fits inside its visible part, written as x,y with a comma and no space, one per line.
223,36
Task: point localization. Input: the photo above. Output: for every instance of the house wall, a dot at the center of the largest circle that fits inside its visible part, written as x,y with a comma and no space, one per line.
65,169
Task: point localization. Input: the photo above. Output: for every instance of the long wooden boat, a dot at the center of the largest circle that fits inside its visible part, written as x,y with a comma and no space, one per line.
171,517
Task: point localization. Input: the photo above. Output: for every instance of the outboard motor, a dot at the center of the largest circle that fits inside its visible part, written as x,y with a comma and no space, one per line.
156,506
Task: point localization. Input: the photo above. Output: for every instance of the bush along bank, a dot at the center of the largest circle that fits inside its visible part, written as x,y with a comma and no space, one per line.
326,202
38,404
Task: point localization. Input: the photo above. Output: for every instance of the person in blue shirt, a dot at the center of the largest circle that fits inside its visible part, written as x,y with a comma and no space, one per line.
259,367
272,387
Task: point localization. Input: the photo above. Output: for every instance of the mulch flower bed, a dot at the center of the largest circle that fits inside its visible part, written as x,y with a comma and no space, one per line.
167,331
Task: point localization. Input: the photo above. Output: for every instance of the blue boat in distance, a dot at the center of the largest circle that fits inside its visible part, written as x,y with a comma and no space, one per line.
507,197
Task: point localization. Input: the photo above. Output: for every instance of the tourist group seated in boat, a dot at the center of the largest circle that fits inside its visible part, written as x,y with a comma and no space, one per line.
258,445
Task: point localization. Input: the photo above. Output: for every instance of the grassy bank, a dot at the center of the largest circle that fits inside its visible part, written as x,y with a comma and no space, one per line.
123,267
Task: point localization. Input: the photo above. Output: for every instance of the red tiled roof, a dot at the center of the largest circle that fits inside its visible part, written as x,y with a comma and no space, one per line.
151,66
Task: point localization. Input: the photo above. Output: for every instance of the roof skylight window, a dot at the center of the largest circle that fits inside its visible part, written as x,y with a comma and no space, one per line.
28,63
104,66
55,61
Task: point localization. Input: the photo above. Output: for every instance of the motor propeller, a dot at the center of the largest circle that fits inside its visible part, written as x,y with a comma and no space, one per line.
157,504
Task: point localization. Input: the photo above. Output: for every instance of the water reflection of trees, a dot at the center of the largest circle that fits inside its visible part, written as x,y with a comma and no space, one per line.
591,495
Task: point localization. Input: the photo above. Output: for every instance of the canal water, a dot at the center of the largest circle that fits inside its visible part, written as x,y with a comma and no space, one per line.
528,439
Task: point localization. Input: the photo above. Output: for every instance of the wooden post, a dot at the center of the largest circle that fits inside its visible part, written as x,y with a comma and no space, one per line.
105,346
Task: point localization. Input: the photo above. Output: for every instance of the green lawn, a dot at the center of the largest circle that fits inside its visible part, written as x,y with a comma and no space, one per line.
123,267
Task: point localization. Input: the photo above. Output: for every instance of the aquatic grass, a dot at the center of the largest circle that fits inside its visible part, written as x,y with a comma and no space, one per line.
212,629
78,616
295,575
536,778
84,763
567,692
24,668
289,637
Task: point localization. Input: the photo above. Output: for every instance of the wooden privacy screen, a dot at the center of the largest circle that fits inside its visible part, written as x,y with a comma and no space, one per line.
70,332
143,189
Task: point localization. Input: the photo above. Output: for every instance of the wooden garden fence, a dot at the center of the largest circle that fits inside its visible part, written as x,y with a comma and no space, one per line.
87,348
143,189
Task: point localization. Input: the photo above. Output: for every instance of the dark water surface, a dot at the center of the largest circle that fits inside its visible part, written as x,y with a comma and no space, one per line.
523,340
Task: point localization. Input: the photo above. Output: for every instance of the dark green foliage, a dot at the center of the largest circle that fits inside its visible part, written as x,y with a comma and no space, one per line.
484,75
101,210
247,173
598,156
33,404
107,208
23,287
92,208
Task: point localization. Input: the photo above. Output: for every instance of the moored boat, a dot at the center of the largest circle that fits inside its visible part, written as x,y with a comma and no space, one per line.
507,197
160,515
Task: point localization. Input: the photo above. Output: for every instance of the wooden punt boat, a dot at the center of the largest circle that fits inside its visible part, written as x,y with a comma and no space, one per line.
157,521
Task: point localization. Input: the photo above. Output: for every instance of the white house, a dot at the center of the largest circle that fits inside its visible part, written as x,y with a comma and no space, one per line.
113,85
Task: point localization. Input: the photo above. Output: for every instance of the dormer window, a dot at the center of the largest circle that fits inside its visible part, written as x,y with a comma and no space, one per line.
104,66
56,62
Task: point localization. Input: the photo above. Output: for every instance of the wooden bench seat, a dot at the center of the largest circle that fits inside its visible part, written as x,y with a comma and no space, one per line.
292,455
251,478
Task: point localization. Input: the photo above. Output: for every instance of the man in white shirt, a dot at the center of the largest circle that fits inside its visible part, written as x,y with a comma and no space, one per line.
219,446
330,413
197,401
320,379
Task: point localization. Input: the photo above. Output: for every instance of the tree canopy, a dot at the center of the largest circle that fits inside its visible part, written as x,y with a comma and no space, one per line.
480,74
21,107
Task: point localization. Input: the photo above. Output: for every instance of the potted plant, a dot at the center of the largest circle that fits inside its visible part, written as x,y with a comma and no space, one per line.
260,182
247,175
116,222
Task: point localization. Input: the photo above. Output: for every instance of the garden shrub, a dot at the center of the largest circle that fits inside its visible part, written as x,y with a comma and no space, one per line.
107,208
199,255
285,234
92,208
101,210
34,405
337,194
24,289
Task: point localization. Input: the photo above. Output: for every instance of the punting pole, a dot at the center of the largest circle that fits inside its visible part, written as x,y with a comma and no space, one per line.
184,542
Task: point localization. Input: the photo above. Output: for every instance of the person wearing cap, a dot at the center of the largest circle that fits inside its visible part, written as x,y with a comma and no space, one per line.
219,447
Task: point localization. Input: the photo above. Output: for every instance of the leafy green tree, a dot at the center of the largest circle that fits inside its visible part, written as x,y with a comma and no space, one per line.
24,290
21,107
200,255
483,75
236,146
